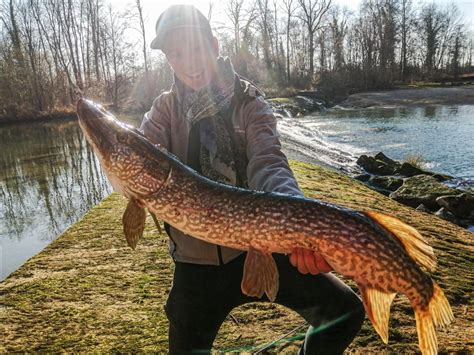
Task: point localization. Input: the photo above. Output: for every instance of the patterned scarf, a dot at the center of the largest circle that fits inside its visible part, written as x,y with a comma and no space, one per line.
212,107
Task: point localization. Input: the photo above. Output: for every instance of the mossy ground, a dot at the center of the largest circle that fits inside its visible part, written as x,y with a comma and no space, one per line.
88,292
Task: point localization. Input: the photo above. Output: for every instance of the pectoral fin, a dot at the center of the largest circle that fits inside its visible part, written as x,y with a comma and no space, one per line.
133,223
260,275
377,305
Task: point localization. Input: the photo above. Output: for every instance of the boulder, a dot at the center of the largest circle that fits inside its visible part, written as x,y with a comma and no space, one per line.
442,177
422,189
309,104
423,208
409,170
381,156
375,166
460,205
295,106
446,215
387,183
362,177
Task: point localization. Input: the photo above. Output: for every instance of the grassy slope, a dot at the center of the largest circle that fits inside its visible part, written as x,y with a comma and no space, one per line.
88,292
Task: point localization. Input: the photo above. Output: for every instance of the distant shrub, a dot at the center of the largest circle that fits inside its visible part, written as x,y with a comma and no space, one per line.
415,160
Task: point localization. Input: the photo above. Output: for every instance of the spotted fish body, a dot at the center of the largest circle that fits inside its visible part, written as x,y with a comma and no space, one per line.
382,254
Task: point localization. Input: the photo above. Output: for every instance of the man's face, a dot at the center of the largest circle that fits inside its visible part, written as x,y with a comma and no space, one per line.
192,55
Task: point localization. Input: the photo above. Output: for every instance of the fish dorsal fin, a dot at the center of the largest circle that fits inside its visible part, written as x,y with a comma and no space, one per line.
377,305
415,245
260,275
133,223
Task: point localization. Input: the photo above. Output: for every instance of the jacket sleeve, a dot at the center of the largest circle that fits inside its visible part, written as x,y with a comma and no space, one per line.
268,168
156,124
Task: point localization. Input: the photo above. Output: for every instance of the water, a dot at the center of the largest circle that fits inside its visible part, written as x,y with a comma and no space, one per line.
48,179
442,136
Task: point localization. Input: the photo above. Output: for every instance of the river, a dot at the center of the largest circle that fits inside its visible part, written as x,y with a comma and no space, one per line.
49,177
441,136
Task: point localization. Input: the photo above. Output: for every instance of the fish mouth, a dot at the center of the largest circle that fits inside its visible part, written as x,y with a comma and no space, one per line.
90,112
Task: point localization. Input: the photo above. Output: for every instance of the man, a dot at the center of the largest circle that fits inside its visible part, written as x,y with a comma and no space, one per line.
219,124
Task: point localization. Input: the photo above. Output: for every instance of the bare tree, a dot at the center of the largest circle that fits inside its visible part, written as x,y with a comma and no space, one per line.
142,31
431,25
338,28
312,13
407,25
264,20
235,12
290,8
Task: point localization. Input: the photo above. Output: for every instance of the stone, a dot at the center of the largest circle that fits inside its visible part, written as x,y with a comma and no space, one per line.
390,183
446,215
375,166
409,170
442,177
461,205
423,208
362,177
422,189
381,156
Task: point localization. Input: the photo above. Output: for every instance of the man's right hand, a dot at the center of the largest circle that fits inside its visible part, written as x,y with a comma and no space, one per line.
308,261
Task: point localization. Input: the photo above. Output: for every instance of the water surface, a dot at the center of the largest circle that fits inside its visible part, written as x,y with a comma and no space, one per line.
442,136
48,179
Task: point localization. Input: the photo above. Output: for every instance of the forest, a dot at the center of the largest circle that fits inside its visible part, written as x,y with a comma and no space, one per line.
53,51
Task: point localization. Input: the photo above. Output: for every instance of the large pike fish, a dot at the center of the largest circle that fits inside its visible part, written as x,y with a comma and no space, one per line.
382,254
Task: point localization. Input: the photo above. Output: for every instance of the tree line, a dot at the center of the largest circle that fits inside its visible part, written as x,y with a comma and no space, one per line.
52,51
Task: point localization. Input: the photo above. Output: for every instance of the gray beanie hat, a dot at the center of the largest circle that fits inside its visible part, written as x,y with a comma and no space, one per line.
179,16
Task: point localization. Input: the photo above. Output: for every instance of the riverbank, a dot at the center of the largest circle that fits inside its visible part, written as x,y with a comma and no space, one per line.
304,102
88,292
407,97
38,116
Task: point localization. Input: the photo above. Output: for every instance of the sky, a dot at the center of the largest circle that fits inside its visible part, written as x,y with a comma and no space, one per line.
153,8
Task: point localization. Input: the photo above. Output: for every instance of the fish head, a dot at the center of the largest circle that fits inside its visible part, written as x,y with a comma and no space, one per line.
133,165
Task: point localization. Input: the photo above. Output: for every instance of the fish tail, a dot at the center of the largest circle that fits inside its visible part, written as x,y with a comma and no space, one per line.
427,340
437,314
440,309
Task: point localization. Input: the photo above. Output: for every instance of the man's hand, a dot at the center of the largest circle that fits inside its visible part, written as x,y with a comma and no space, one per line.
308,261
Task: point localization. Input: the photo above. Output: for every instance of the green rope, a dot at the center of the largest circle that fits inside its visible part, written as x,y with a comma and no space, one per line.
286,339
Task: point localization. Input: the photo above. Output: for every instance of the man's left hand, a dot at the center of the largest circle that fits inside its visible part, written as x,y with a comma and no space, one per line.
308,261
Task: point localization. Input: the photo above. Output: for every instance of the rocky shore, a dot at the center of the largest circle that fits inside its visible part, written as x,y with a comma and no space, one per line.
306,102
300,105
426,96
429,192
424,190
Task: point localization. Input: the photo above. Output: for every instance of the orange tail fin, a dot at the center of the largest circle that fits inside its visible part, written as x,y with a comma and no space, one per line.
438,314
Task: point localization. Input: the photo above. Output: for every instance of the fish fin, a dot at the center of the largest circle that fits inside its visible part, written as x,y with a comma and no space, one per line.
377,305
133,221
437,314
413,242
260,275
440,309
427,340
